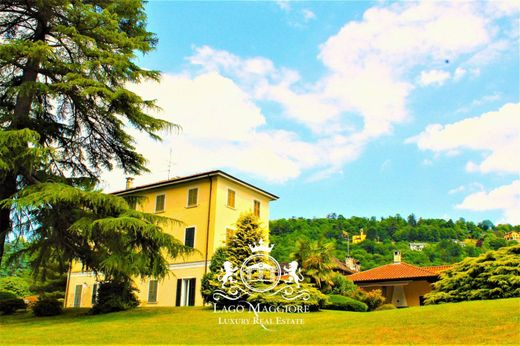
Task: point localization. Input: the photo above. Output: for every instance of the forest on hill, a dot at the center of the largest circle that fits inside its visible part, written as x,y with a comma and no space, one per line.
447,241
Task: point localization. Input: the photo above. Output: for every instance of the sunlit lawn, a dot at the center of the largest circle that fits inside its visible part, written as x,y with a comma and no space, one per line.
490,322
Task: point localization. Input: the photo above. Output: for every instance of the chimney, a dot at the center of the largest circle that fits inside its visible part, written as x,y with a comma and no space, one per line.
129,183
397,257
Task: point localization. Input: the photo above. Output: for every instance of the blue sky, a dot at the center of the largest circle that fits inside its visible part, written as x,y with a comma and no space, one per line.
358,108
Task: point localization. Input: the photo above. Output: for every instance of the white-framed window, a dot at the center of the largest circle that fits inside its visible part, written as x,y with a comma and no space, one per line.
159,203
152,291
94,293
256,208
231,198
193,197
189,236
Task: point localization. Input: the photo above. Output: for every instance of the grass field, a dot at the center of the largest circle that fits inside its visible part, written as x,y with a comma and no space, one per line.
480,322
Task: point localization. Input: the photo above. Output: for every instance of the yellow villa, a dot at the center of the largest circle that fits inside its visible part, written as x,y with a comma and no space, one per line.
208,204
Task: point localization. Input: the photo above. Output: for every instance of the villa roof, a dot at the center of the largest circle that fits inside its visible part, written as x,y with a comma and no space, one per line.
437,269
397,271
179,180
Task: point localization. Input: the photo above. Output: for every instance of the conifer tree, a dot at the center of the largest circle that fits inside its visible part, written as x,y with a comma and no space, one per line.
248,232
64,104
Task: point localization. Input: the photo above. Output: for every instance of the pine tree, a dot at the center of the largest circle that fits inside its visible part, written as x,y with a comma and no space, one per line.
64,104
248,232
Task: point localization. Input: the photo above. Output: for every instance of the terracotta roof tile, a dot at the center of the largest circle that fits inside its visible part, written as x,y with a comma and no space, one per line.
437,269
394,271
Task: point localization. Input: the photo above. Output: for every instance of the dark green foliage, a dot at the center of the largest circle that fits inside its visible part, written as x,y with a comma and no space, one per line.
100,230
386,307
18,286
337,302
217,260
47,306
115,296
7,295
493,275
9,306
18,266
343,286
65,110
316,259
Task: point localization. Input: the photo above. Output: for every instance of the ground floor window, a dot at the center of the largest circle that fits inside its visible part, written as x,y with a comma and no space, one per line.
77,296
185,292
152,291
94,293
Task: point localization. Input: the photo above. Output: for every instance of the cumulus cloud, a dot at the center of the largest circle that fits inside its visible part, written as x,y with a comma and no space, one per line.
505,198
371,68
495,134
437,77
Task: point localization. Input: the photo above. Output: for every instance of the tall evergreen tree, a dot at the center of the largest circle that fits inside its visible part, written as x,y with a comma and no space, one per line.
249,232
64,104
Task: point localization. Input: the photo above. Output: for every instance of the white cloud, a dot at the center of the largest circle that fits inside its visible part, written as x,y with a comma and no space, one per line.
437,77
363,94
505,198
308,14
466,188
496,134
283,5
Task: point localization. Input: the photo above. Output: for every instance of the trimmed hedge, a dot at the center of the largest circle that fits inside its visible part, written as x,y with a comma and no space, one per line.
6,295
47,306
337,302
9,306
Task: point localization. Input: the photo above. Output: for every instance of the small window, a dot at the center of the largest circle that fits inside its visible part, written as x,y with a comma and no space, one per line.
94,293
231,198
189,237
152,291
257,208
159,203
193,195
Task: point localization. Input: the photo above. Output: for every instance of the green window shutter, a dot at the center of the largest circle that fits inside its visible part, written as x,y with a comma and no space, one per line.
77,296
193,197
152,291
178,295
159,203
191,299
94,293
189,237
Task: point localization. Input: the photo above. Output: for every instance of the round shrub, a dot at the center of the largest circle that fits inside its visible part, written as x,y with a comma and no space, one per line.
47,306
337,302
115,296
386,307
372,299
9,306
5,295
343,286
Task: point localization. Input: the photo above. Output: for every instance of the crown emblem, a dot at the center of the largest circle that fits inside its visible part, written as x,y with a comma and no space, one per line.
260,247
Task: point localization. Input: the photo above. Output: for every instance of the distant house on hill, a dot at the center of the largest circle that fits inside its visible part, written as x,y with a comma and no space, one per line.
401,283
417,246
359,238
514,235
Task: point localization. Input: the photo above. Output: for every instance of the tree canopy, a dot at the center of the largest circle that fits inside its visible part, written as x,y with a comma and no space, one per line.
65,115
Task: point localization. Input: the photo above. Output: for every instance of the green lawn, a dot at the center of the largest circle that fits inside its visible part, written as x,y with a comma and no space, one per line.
489,322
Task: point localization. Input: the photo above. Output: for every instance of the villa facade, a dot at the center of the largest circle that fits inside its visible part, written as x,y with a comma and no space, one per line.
208,204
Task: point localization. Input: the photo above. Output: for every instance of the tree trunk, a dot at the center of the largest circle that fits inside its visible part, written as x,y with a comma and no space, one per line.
21,120
7,189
